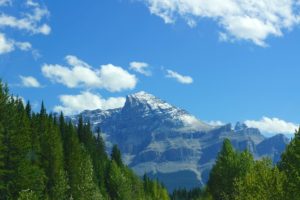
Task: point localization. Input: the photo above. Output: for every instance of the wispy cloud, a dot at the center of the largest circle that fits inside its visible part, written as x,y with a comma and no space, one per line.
216,123
74,104
140,67
9,45
29,81
178,77
238,19
30,21
80,74
273,125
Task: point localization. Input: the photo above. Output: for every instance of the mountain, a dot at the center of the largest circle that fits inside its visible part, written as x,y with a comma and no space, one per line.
170,144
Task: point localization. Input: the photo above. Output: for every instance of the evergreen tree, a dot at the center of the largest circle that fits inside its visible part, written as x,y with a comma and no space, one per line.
2,170
117,185
28,109
52,150
261,182
80,129
229,166
154,190
290,165
134,183
80,169
88,189
100,161
28,195
116,156
42,157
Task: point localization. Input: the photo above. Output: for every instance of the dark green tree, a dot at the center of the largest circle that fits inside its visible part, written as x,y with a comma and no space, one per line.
117,185
290,165
261,182
229,166
45,157
116,156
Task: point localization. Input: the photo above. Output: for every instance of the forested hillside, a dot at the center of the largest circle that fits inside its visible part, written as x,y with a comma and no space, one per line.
44,157
237,176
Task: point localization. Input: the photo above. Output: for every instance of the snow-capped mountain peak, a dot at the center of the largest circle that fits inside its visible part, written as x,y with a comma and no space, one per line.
147,99
146,105
164,141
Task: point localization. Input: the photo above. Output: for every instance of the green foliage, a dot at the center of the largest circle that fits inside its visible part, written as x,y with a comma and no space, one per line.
118,187
229,166
154,189
116,156
44,157
261,182
290,165
28,195
183,194
237,176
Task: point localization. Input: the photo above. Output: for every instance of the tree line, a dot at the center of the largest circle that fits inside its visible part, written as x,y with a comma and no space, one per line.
42,156
238,176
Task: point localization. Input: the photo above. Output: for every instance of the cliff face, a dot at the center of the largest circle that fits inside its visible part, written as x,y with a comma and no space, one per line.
170,144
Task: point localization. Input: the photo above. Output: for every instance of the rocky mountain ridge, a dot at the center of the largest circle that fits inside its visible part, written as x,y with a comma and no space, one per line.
170,144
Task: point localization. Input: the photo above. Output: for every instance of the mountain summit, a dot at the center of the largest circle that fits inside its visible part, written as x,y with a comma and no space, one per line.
170,144
147,106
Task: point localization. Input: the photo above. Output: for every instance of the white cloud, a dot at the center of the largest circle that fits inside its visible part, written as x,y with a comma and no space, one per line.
239,19
216,123
32,3
29,81
9,45
191,121
74,104
140,67
114,78
80,74
273,125
178,77
29,21
6,45
20,98
24,46
74,61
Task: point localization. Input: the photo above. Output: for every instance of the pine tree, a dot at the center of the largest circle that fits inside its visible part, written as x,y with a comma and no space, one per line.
290,165
117,184
28,195
29,174
229,166
3,102
52,154
88,188
80,129
42,157
100,161
28,109
262,181
116,156
80,168
154,190
2,170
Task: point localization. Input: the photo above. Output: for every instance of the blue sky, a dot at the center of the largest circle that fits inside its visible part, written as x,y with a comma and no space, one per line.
222,61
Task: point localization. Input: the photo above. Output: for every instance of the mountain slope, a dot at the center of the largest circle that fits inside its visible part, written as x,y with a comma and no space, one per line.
169,143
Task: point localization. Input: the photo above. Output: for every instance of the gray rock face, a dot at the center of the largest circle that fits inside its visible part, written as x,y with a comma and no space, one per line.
170,144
